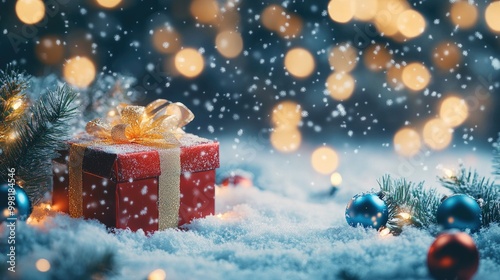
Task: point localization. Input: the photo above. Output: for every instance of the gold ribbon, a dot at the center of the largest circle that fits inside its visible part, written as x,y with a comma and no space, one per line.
75,173
158,124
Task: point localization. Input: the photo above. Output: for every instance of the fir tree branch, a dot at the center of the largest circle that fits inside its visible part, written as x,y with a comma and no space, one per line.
408,203
40,133
469,182
12,99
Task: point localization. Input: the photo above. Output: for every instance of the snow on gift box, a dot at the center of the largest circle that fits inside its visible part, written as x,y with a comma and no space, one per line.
140,171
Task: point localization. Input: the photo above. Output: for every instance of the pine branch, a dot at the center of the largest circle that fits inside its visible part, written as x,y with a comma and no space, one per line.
103,96
470,183
40,133
408,203
12,99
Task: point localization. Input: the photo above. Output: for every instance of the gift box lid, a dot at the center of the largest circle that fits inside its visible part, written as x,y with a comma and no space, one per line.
124,162
198,154
80,138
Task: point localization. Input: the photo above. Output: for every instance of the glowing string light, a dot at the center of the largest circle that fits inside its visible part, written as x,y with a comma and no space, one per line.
17,104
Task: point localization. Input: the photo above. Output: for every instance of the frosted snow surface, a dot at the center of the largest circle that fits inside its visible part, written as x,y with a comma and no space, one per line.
283,229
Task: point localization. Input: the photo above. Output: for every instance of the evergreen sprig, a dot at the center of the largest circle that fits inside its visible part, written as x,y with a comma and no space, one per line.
484,190
408,203
13,85
39,134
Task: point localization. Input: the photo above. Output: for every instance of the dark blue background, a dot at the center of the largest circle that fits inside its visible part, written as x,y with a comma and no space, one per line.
231,88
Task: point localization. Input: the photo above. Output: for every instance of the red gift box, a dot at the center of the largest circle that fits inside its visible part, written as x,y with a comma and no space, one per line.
137,186
139,170
60,185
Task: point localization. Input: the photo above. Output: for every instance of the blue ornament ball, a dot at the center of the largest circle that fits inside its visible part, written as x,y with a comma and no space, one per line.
367,210
460,212
14,203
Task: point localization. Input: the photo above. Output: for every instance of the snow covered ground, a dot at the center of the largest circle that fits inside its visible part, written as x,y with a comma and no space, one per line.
285,228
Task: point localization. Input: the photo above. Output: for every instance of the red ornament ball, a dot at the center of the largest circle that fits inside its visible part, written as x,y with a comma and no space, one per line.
237,181
453,255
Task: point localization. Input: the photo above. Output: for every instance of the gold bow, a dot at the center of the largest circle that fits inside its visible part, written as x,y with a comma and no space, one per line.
159,123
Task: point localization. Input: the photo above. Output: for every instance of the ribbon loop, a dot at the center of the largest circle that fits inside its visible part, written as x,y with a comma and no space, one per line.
119,133
98,128
159,123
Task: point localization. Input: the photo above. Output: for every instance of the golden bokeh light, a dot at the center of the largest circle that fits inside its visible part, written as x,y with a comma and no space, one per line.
343,58
492,16
386,25
299,62
416,76
386,18
286,139
79,71
229,43
336,179
340,86
205,11
453,111
365,9
411,23
394,77
286,24
446,56
377,57
341,10
157,274
394,7
463,14
437,135
42,265
229,19
109,3
189,62
50,50
269,16
286,114
324,160
166,40
30,11
290,25
407,142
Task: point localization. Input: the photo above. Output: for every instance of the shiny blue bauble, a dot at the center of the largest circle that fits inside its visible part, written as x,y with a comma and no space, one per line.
367,210
460,212
18,201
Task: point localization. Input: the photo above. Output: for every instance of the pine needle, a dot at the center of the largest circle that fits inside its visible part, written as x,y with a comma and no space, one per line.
12,99
39,134
409,203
